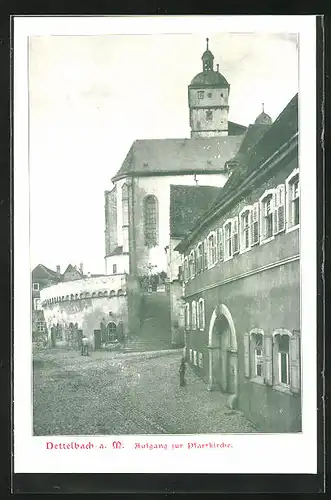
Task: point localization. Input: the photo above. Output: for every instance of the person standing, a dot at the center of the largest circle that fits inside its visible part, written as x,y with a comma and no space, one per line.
182,369
84,345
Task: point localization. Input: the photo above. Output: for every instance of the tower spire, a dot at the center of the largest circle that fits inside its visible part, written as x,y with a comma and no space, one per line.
207,59
263,107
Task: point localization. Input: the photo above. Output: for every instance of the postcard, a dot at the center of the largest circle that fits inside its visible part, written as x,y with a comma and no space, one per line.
164,262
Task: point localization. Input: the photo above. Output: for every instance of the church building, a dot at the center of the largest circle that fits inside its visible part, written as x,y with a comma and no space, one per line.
139,235
137,208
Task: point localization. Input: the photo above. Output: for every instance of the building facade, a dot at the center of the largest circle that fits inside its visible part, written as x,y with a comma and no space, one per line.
241,272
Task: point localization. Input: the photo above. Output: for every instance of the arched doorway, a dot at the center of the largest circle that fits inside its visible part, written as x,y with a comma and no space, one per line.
223,355
111,332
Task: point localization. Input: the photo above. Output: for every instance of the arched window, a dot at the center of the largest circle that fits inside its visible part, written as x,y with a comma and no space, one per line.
125,205
151,221
112,293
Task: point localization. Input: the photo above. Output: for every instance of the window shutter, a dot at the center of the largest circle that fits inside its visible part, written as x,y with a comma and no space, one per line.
246,355
274,208
255,223
235,243
220,245
268,346
215,246
281,208
295,362
205,264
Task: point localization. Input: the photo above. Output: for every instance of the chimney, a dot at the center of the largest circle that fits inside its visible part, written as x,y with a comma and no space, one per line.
58,271
81,268
217,68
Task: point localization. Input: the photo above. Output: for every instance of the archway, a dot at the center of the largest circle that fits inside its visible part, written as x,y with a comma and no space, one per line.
111,332
223,351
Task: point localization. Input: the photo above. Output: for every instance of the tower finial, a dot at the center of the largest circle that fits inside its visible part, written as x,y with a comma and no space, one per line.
263,107
207,40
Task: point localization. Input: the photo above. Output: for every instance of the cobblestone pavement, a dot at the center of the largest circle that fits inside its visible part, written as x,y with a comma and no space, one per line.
118,393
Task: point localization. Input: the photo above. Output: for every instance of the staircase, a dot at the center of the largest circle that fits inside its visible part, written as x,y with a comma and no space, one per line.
155,331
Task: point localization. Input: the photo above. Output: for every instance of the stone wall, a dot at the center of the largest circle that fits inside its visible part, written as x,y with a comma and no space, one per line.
86,303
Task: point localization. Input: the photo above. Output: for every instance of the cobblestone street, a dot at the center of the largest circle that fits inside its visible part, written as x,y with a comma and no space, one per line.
117,393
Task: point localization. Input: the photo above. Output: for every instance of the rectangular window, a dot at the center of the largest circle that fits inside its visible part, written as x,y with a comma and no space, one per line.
41,326
245,230
194,315
267,217
201,94
191,265
191,355
187,316
114,268
283,359
195,358
35,287
279,209
258,355
228,241
294,202
37,304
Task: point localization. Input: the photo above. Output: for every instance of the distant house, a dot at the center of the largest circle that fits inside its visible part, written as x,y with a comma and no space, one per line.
41,277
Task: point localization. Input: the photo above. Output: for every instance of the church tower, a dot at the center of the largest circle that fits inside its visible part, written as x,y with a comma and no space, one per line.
208,98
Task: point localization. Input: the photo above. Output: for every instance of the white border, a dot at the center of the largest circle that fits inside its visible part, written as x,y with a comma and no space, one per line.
287,453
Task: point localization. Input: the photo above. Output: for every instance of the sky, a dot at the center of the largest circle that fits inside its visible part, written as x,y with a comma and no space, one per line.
90,97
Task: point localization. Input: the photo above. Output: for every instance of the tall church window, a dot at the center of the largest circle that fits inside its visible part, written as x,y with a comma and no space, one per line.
209,115
151,221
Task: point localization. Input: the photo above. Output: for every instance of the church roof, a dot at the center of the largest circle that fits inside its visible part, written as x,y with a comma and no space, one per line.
252,136
187,205
209,79
168,156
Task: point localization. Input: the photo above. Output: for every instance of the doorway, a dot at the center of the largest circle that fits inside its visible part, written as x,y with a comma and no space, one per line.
223,357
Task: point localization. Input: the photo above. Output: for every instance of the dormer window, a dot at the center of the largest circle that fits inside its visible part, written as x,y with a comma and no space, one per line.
201,94
210,95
